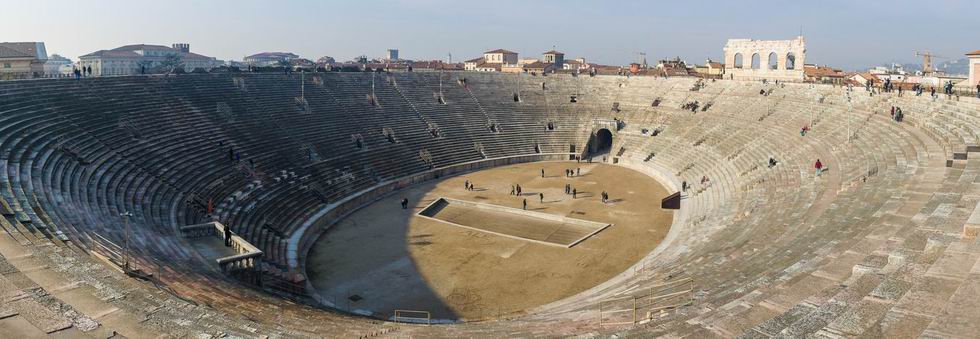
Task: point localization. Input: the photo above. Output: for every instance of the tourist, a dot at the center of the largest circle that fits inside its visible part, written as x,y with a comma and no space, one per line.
978,91
568,188
518,189
542,172
227,230
541,197
525,204
818,166
772,162
78,74
603,197
574,193
466,185
513,191
404,203
684,186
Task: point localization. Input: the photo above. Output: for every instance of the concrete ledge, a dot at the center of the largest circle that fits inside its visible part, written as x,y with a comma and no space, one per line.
972,226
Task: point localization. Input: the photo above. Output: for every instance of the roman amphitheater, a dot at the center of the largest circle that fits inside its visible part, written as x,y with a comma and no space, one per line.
117,193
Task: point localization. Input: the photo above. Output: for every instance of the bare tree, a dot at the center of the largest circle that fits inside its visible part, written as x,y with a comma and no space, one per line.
172,62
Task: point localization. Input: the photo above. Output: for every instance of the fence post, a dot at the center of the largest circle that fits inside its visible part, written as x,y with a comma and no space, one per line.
634,310
600,313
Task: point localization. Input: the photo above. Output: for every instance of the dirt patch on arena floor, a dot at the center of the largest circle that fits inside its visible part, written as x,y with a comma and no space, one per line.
383,258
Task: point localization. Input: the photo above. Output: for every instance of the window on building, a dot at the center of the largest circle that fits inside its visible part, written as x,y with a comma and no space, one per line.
6,65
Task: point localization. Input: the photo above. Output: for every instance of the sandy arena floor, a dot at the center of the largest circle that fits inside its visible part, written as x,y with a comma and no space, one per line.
388,258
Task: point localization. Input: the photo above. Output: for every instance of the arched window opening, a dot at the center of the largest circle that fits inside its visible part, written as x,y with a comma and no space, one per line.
738,60
756,61
773,61
790,61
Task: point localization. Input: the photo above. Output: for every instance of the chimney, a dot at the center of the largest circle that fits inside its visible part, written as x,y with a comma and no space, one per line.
183,48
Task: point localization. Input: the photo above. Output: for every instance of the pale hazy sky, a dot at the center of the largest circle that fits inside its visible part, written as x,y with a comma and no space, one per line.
841,33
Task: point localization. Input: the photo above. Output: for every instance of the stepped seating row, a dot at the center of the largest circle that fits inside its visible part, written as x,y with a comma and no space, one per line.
869,248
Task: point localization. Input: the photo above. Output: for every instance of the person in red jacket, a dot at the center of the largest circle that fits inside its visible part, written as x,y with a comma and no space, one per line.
818,166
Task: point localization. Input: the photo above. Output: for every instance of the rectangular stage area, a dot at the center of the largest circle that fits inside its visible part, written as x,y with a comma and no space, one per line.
544,228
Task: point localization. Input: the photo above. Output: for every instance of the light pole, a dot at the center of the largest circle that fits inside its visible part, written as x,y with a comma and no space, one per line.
126,215
849,109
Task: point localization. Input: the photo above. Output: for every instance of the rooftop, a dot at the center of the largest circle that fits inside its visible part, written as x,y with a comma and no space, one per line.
504,51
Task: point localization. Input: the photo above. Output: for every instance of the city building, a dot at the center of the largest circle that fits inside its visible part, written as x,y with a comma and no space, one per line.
575,64
556,58
392,55
326,60
862,79
266,59
710,69
974,68
21,60
492,61
142,58
500,56
823,75
58,65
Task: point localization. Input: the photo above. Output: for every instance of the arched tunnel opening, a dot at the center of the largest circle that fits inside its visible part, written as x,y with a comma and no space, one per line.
600,142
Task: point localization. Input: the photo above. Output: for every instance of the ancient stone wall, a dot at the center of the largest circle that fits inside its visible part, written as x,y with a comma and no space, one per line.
748,59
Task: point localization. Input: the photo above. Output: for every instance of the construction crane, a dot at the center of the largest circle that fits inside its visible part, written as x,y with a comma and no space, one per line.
927,61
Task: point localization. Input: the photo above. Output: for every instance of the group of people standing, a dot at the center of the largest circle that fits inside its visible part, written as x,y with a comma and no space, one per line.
84,71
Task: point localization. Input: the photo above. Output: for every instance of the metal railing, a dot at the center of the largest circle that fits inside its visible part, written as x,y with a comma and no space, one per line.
412,316
658,298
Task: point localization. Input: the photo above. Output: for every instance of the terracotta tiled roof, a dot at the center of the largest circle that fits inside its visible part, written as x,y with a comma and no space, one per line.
480,59
18,49
822,72
6,52
273,55
504,51
976,52
538,64
489,65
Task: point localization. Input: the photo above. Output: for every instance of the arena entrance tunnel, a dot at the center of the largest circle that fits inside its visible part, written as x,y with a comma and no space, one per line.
600,142
378,258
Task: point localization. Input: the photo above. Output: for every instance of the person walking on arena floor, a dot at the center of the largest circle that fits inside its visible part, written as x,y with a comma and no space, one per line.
525,204
541,197
404,203
513,191
542,172
818,166
574,193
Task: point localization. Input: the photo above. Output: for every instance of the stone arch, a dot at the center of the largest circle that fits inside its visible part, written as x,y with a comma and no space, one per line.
739,61
773,62
756,61
790,60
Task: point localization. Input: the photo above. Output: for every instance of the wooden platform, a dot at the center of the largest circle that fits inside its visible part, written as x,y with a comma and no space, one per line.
510,222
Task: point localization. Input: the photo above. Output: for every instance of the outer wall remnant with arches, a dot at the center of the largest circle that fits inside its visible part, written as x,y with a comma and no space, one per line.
748,59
